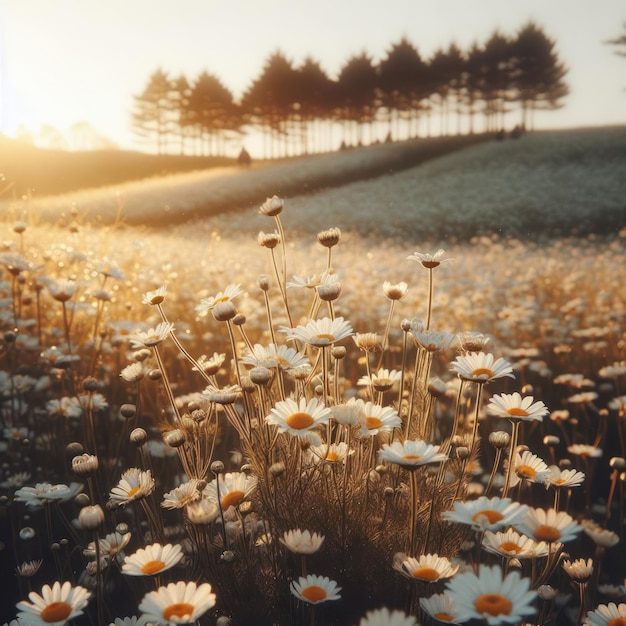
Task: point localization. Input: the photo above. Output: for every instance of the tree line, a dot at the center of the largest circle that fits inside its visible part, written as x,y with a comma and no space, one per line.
302,110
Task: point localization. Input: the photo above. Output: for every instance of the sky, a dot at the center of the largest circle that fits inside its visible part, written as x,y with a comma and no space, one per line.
67,61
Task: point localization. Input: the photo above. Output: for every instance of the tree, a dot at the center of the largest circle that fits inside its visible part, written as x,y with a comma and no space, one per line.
620,42
152,111
538,75
180,119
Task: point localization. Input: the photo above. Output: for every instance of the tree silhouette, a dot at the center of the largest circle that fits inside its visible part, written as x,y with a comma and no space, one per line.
152,111
538,75
180,120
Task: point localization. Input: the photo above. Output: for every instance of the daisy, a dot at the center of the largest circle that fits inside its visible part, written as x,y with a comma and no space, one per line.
395,292
600,536
61,289
585,450
299,419
490,597
335,453
566,478
152,337
441,607
348,414
549,526
376,419
382,380
112,545
204,511
428,568
133,485
271,357
234,488
182,495
228,295
178,603
315,589
154,297
55,606
486,513
320,333
272,206
385,617
433,340
480,367
302,541
579,570
411,454
152,560
42,493
607,615
513,406
511,544
530,467
429,261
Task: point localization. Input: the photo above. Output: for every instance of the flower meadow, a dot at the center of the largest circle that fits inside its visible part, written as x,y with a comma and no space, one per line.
227,428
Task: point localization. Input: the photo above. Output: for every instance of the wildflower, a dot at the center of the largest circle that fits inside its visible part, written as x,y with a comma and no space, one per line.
276,356
513,406
212,365
607,615
152,337
549,526
579,570
433,340
441,607
154,297
395,292
530,467
563,477
329,238
178,603
376,419
233,489
268,240
411,454
111,546
299,419
133,485
428,568
511,544
585,450
333,453
320,333
348,414
65,407
600,536
61,289
472,341
490,597
152,560
486,513
55,606
203,511
429,261
385,617
133,373
368,342
315,589
42,493
228,295
272,206
382,380
182,495
29,568
481,368
302,541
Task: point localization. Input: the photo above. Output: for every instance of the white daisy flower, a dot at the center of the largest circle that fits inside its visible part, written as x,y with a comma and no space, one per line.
178,603
511,544
486,513
154,297
549,526
441,607
411,454
429,261
299,419
376,419
182,495
152,560
513,406
320,333
228,295
428,568
133,485
607,615
480,367
55,606
315,589
302,541
152,337
385,617
234,488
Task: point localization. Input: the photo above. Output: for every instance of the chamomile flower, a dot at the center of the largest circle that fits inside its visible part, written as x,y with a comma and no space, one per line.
133,485
480,367
182,495
333,453
315,589
320,333
411,454
154,297
276,356
486,513
607,615
55,606
530,467
441,607
299,419
228,295
514,406
550,526
178,603
511,544
385,617
152,337
42,493
234,488
428,568
490,597
152,560
110,547
382,380
564,478
427,260
376,419
302,541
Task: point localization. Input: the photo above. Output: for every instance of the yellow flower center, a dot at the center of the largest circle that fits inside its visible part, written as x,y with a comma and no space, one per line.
617,621
483,371
222,299
443,617
493,604
373,422
516,411
412,457
152,567
299,421
56,612
548,534
314,593
232,498
525,471
510,546
559,481
325,336
491,515
179,609
332,456
426,573
133,491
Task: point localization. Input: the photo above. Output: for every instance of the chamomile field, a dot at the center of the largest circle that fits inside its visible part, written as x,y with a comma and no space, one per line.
235,397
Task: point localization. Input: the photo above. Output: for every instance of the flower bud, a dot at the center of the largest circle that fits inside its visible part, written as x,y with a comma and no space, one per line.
91,517
224,311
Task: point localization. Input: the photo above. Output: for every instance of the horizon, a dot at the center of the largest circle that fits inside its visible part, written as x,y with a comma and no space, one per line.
64,88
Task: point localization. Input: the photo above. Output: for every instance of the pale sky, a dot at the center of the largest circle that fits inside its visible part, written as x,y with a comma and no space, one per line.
64,61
